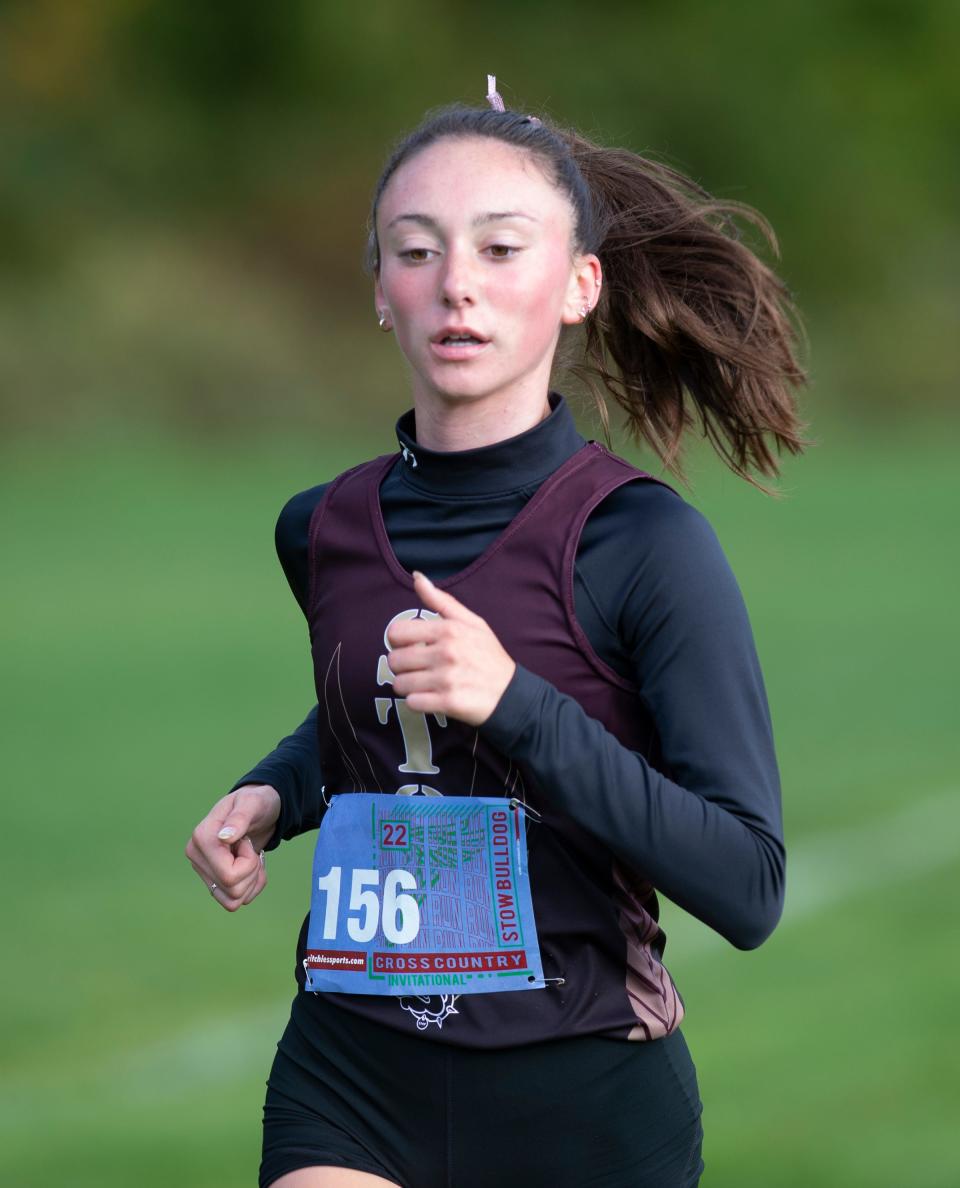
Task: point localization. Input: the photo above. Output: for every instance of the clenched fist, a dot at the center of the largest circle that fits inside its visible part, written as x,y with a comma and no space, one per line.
453,665
226,848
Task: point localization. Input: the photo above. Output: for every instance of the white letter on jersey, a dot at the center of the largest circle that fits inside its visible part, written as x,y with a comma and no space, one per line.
418,748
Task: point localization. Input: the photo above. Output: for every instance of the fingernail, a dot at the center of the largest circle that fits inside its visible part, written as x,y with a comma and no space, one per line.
417,573
226,833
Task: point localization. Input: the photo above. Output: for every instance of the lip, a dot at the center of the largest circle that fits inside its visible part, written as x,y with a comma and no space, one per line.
456,353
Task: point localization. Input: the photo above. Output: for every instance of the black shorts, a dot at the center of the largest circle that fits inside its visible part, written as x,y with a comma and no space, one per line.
582,1110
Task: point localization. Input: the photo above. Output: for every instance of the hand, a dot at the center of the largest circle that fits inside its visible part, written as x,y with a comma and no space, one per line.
226,848
453,665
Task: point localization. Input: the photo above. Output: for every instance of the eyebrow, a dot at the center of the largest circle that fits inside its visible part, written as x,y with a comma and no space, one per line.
491,216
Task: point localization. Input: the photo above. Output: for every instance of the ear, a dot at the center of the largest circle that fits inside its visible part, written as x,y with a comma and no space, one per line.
586,280
379,301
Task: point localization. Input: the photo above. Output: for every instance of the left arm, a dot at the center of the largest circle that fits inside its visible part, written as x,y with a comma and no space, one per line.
709,834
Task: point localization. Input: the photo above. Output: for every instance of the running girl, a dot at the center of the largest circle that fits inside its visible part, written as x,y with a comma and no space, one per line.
504,610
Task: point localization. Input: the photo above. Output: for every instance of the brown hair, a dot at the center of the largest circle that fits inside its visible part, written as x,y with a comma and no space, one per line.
686,308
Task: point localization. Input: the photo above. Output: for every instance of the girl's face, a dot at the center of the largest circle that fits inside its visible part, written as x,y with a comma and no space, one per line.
473,237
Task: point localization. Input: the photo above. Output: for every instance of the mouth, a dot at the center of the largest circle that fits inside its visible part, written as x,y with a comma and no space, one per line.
456,347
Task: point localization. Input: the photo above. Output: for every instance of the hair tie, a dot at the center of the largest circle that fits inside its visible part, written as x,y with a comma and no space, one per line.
495,101
493,97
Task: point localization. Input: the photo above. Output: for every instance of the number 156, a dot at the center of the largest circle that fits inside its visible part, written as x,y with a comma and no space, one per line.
401,913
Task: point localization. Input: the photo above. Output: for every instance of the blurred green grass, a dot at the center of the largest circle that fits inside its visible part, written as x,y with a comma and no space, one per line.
153,652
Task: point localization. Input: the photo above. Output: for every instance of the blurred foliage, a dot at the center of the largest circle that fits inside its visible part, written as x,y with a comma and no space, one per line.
184,188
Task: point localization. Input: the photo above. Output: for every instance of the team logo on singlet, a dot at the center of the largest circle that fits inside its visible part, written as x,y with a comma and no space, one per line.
424,1013
414,727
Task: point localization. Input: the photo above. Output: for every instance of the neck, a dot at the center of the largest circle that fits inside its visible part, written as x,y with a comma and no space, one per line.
470,424
504,465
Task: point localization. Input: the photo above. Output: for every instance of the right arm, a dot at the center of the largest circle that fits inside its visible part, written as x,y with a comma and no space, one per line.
281,797
293,767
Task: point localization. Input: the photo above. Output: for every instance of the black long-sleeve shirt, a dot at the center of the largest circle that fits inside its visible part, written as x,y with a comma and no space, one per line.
659,603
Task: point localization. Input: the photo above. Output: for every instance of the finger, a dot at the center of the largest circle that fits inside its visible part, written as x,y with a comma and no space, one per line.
413,631
246,876
220,894
429,703
233,894
226,868
241,891
218,837
237,879
416,682
194,853
204,844
259,883
235,824
227,901
207,869
439,600
225,889
411,657
203,872
244,849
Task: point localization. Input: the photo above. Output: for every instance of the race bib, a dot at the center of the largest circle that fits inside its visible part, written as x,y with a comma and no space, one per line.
421,894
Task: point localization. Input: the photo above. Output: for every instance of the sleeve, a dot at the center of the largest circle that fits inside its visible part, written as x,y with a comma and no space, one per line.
293,766
707,831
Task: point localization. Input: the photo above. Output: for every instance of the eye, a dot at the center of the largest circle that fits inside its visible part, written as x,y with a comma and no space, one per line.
498,248
410,254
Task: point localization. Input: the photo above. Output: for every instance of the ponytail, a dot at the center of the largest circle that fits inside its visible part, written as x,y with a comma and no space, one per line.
687,312
687,308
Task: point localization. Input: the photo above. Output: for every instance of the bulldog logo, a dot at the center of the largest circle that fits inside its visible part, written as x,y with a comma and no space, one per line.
419,1006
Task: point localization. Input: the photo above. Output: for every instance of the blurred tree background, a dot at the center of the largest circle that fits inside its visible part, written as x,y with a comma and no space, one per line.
184,188
187,339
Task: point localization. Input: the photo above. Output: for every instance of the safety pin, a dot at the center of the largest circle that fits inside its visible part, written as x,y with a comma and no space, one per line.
556,981
306,973
531,812
323,793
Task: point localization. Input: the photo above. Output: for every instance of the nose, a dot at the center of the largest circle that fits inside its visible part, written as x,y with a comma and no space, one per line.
457,278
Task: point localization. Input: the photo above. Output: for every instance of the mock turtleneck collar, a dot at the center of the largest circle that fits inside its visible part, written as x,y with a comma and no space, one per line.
490,469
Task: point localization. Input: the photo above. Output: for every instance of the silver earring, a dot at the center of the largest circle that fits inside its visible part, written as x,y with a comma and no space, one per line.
584,310
383,320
